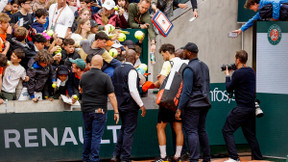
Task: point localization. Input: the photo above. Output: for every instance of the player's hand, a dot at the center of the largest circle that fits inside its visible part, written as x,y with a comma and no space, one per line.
195,13
143,109
116,117
178,114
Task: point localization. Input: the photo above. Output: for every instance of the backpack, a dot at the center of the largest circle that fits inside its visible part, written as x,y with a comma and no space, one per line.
171,88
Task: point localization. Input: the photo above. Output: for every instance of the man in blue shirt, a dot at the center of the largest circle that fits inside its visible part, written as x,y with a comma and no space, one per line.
195,103
255,5
243,115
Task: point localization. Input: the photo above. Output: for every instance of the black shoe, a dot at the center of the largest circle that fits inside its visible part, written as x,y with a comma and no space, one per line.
185,157
115,159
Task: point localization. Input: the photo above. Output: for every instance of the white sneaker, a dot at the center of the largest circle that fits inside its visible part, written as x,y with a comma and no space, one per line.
232,160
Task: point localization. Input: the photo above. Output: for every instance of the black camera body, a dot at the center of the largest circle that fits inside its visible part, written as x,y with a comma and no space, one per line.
230,67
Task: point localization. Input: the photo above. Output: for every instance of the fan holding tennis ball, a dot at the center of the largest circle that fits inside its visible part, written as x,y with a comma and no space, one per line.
139,35
113,52
121,37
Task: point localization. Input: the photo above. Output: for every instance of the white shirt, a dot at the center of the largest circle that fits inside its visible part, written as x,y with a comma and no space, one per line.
66,16
132,84
11,77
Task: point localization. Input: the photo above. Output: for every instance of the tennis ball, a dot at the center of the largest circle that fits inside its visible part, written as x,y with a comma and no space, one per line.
54,85
75,97
121,37
59,49
144,66
8,63
50,32
109,28
113,52
139,35
116,8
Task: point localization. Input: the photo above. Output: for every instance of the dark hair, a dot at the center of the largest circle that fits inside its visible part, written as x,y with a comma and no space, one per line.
126,4
167,47
101,36
250,2
19,53
23,1
242,55
41,12
68,41
14,1
137,49
89,58
86,1
39,38
3,60
44,56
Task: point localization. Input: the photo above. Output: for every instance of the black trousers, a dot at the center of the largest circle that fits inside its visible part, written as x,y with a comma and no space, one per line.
123,147
245,118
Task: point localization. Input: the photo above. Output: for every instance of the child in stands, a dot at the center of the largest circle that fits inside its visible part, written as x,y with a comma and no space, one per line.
39,71
12,75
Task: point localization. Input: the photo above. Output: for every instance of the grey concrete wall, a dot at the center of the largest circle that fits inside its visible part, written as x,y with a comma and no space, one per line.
209,32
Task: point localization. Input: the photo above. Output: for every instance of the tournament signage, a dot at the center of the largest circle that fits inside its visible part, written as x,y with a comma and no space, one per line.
274,34
271,57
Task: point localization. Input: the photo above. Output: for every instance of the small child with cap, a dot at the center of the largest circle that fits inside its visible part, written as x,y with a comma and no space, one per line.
62,72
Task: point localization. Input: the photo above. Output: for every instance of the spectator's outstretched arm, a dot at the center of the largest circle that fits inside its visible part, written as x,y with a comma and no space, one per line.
249,23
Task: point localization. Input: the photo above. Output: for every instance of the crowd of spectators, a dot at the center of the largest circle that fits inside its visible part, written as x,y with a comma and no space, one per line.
36,64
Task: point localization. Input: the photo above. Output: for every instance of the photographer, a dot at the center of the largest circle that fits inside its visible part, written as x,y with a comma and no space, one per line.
243,115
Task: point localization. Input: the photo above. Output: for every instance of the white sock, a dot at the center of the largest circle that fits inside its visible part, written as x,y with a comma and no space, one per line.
162,151
178,151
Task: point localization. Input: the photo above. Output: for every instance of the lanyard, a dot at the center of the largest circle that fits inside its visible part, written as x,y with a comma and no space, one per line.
54,23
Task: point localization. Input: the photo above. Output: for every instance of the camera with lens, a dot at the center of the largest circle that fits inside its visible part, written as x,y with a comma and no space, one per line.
258,111
230,67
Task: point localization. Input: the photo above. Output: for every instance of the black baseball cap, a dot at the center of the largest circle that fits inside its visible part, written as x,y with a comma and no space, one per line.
129,43
62,70
192,47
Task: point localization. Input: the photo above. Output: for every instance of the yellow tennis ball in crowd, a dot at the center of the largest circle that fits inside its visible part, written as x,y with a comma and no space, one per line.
143,66
75,97
121,37
109,28
54,85
116,8
50,32
139,35
8,63
113,52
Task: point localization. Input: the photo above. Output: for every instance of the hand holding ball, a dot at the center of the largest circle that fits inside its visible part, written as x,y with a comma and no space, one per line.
121,37
139,35
113,52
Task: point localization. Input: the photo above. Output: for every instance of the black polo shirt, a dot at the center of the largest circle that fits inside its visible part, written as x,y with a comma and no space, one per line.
96,86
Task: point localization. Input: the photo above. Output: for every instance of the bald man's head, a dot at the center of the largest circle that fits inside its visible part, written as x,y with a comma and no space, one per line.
97,62
131,56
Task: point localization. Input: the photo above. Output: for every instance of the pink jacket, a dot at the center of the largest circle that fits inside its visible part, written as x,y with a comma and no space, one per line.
115,20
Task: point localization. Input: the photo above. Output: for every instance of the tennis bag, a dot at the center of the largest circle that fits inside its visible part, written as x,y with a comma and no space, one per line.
171,88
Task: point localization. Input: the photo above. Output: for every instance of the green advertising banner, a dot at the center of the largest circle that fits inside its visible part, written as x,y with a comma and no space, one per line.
55,136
